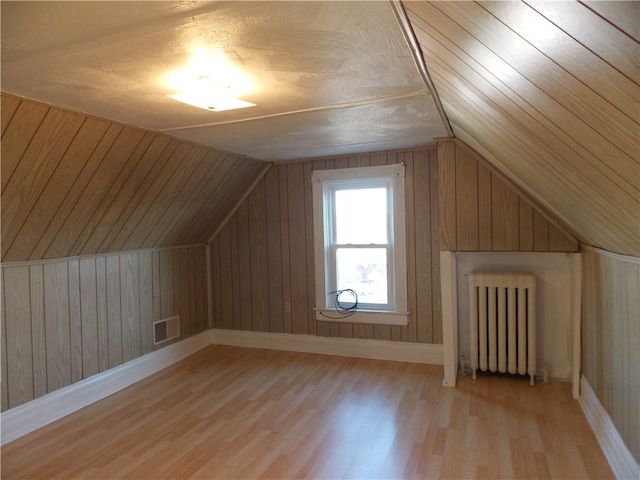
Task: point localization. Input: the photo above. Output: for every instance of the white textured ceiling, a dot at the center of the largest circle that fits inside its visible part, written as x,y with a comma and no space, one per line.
330,77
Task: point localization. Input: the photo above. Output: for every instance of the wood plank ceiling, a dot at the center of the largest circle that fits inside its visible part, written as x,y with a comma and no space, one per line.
73,185
548,92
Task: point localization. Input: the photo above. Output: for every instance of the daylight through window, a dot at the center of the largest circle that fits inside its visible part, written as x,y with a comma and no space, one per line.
360,243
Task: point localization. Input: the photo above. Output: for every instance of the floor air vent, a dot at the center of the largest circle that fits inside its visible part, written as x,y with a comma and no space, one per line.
167,329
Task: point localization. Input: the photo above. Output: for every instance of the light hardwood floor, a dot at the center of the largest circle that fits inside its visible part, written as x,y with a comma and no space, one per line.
229,412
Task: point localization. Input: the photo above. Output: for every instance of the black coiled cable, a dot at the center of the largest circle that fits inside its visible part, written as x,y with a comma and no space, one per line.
341,307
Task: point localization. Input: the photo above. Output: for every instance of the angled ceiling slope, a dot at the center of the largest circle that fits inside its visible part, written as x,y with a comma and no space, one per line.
326,78
549,93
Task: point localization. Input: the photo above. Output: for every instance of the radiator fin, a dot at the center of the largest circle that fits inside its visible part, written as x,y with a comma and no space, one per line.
503,323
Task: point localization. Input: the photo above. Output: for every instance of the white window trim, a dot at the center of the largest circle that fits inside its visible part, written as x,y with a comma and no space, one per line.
320,178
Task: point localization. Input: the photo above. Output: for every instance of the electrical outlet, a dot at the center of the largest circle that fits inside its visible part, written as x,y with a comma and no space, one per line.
287,307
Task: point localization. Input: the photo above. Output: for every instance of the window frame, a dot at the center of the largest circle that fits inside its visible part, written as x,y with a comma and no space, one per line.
324,182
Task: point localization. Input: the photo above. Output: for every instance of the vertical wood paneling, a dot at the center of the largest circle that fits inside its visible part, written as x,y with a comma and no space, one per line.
466,188
611,332
191,292
180,285
446,187
274,252
179,289
75,320
4,381
308,228
235,266
285,244
218,282
423,245
223,268
436,304
540,233
114,311
485,235
202,298
244,268
130,306
259,260
285,190
57,325
559,242
102,317
504,219
18,331
38,330
166,284
409,333
297,245
266,253
146,298
67,320
155,287
525,222
89,316
488,214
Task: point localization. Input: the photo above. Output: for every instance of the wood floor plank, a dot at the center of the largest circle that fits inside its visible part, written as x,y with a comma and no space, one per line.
230,412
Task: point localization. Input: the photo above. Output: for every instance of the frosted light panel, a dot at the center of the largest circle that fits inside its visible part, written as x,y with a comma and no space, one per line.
364,270
361,216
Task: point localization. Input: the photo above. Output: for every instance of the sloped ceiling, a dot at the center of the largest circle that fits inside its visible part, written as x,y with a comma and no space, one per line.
74,185
548,92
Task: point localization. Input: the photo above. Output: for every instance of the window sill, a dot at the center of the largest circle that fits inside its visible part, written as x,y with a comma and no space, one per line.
363,316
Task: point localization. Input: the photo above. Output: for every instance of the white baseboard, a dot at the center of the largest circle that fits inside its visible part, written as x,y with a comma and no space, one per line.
346,347
25,418
620,460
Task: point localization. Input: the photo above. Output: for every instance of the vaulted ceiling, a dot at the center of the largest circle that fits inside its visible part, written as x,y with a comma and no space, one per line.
547,92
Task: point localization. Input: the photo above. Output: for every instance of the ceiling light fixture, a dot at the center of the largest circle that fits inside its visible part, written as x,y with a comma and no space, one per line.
210,82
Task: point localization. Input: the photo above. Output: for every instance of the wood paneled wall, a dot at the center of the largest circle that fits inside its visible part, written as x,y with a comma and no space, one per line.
69,319
480,212
263,257
549,93
74,185
611,338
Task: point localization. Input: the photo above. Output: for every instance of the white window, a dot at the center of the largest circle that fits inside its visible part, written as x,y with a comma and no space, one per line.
360,255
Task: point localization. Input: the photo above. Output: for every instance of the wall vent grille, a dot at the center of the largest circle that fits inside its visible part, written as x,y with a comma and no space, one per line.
166,329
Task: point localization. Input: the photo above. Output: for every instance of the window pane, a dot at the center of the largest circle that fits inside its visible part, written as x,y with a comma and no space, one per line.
361,216
363,270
